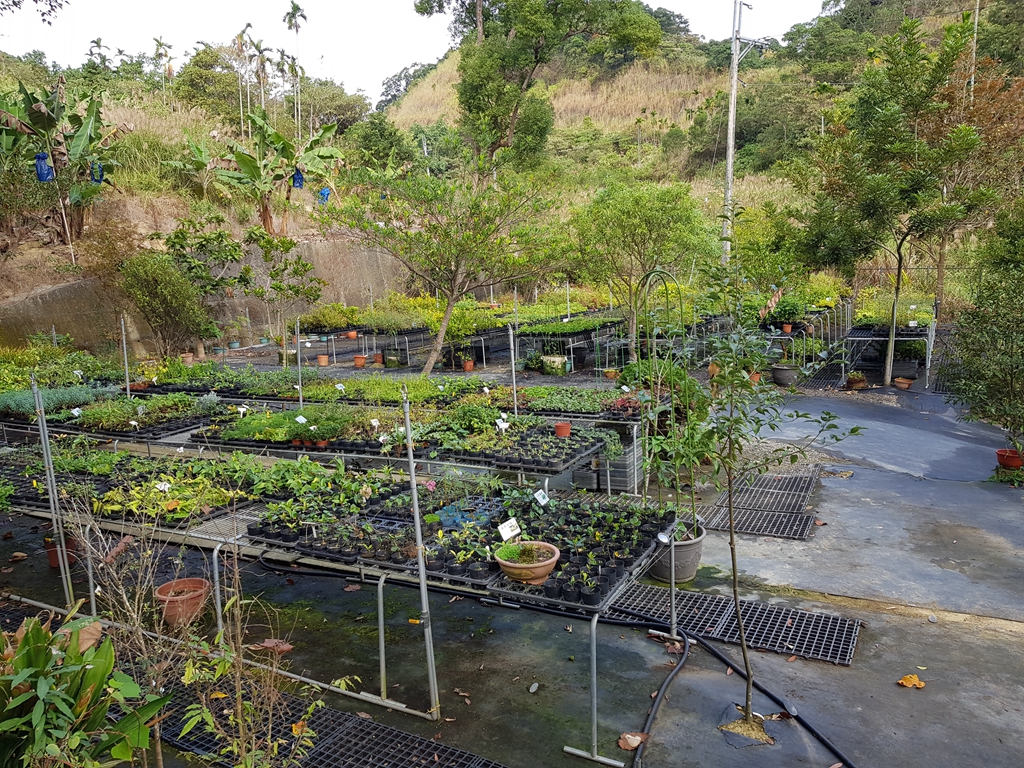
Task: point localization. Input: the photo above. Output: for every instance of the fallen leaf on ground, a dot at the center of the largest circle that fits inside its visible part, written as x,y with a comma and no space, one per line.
289,581
9,535
922,667
728,671
630,741
654,694
910,681
819,522
836,765
279,647
364,715
350,588
17,557
218,695
789,622
481,667
676,648
449,719
454,598
791,658
299,728
468,702
568,628
6,570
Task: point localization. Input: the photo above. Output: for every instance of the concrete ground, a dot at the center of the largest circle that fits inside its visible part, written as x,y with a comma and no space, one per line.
915,534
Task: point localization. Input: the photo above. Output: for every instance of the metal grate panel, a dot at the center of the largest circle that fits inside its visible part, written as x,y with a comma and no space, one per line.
781,525
821,636
829,376
228,529
774,493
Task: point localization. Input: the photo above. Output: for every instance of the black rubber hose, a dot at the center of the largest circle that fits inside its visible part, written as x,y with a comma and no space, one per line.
638,758
847,762
641,621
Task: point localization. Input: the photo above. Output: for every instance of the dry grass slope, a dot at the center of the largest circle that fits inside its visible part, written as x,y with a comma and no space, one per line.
430,99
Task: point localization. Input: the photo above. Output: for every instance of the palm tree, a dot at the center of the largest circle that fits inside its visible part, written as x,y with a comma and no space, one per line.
260,58
162,52
295,13
239,44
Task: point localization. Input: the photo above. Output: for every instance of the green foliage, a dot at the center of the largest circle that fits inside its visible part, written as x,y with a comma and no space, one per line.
208,81
56,690
1001,35
282,280
124,415
985,366
329,317
380,144
21,403
166,299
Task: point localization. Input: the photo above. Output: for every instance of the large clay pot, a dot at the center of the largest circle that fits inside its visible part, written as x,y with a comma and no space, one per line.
563,428
352,334
187,358
467,366
535,573
323,360
360,361
902,383
785,375
1009,458
182,600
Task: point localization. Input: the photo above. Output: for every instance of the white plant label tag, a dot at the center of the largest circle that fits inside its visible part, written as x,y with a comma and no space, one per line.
140,410
180,450
295,386
76,411
77,373
541,497
509,529
308,345
374,423
624,388
242,409
165,487
313,428
340,387
487,391
301,419
565,319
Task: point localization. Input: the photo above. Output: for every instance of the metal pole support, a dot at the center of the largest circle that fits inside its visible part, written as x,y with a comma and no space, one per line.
592,755
512,352
124,350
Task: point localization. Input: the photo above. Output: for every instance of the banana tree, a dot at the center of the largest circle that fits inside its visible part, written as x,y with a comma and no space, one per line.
273,161
203,169
76,143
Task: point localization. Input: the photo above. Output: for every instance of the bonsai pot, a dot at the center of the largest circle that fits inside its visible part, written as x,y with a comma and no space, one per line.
378,358
182,600
562,428
187,358
323,360
532,573
787,327
360,361
902,383
467,366
352,334
70,545
1009,458
234,344
687,559
219,350
785,375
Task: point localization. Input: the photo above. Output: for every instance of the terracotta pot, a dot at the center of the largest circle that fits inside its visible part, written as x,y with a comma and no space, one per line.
562,428
360,361
467,366
713,370
858,384
352,335
1009,458
322,443
787,327
323,360
50,546
187,358
755,377
901,383
296,441
535,573
182,600
378,358
611,374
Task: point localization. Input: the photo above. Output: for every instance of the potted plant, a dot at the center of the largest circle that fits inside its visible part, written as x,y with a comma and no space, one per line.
529,562
902,382
856,380
70,546
788,311
360,361
182,600
467,365
563,428
784,373
323,360
689,544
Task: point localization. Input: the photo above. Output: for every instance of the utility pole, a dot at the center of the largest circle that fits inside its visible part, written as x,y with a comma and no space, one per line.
974,46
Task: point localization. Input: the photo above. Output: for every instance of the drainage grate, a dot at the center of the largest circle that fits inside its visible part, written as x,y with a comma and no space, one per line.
829,376
781,525
821,636
774,493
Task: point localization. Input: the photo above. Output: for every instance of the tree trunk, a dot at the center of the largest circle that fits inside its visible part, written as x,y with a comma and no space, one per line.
748,711
479,22
940,278
887,379
284,216
435,351
632,335
266,214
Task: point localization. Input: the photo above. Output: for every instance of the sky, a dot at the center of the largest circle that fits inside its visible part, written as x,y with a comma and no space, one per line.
356,42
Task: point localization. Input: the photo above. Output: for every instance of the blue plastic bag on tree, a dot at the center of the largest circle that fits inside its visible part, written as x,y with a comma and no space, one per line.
298,180
96,173
44,171
324,194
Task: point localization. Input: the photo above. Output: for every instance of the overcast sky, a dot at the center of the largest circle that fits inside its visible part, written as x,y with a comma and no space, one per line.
356,42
